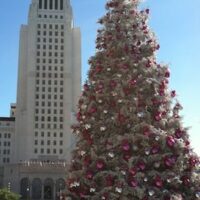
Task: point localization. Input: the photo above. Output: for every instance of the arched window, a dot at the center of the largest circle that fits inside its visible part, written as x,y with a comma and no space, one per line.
60,186
25,188
48,189
36,189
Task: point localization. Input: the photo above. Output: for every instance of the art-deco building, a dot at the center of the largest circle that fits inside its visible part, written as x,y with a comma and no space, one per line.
49,82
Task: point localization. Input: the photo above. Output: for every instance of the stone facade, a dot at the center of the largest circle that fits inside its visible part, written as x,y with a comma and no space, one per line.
49,84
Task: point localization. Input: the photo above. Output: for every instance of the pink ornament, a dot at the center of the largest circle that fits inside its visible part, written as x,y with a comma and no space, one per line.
127,156
93,110
89,175
125,145
173,93
98,69
158,116
100,164
147,11
113,84
146,131
86,87
133,182
158,182
133,171
170,161
167,73
141,165
155,149
193,161
87,160
133,82
185,180
170,141
109,181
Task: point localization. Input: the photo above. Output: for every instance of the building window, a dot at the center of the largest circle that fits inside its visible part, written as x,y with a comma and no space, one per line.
41,151
61,142
54,151
35,151
61,134
36,142
48,151
61,151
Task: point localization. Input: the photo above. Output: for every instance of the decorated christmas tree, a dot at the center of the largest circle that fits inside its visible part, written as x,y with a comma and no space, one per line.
131,142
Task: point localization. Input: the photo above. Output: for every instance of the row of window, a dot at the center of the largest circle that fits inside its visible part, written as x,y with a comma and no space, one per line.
43,96
49,134
49,61
50,4
5,135
51,26
5,143
48,126
5,124
6,160
50,47
50,16
50,54
49,75
5,152
48,118
49,82
48,111
51,40
48,142
48,104
49,89
49,68
48,151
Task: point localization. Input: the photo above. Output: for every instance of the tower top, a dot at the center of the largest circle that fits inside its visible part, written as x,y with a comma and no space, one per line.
51,4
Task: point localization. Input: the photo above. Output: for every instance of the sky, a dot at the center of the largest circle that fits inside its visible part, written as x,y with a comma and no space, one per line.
176,24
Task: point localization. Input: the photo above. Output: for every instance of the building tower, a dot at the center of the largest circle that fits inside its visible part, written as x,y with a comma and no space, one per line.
49,86
49,80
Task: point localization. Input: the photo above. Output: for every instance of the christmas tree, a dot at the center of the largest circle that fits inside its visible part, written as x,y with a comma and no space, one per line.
131,143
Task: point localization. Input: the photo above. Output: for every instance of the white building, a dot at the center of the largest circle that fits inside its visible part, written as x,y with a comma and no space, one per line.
49,85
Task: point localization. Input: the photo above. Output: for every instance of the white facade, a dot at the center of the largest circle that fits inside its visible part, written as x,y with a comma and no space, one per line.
49,85
49,80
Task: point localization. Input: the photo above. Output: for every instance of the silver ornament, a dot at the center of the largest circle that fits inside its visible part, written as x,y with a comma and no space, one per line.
119,190
111,155
103,128
109,69
83,153
120,101
105,111
92,189
157,138
87,126
100,101
197,194
140,114
119,75
123,172
145,179
147,152
151,193
157,165
135,148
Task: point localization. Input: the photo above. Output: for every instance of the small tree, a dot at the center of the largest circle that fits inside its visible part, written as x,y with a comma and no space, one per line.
5,194
132,144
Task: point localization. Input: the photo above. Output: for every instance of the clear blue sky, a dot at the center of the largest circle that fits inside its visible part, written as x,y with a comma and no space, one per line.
177,27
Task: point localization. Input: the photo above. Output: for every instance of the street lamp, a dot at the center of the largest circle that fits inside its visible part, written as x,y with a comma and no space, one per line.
27,190
9,186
